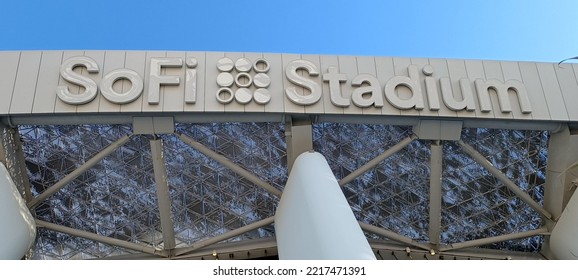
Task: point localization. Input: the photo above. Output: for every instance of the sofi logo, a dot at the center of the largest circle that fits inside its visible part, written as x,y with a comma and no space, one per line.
245,81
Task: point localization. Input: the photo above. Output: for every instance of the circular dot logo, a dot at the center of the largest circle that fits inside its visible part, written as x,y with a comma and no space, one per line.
243,81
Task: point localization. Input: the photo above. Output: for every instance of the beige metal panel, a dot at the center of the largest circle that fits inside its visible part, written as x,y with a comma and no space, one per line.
276,88
317,108
440,70
146,106
113,60
25,85
8,70
475,70
385,71
211,87
326,62
47,82
291,107
99,57
569,88
511,71
199,105
531,80
59,106
457,71
174,95
234,106
420,63
366,65
135,60
253,106
348,66
552,92
493,70
400,67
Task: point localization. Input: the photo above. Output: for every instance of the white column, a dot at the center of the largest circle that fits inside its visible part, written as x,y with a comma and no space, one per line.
313,219
17,226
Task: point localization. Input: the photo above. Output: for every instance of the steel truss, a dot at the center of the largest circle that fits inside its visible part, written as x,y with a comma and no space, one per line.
409,247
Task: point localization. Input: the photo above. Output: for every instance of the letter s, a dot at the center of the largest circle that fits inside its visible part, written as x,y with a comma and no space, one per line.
90,87
292,76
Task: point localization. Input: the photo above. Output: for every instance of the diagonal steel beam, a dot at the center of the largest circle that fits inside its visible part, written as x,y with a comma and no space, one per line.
21,162
372,163
495,239
77,172
101,238
163,196
435,193
481,160
229,164
225,236
393,236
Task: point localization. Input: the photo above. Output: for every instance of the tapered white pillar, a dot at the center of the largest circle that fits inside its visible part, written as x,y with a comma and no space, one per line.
313,219
564,237
17,226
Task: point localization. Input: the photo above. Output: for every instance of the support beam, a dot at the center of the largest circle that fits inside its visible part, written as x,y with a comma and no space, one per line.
561,171
480,159
229,164
77,172
299,138
3,154
101,238
495,239
393,236
225,236
435,193
372,163
21,164
163,196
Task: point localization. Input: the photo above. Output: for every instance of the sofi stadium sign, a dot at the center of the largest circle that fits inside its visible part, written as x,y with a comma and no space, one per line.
244,81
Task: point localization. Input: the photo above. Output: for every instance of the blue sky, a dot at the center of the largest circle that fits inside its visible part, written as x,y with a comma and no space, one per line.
478,29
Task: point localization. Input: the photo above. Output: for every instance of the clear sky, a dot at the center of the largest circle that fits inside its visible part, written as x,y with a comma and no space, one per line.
528,30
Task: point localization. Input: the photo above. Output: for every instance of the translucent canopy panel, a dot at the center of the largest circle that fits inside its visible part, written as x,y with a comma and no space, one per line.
117,197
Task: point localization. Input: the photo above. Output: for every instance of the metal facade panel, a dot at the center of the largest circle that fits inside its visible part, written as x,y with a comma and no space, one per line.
457,71
407,86
59,105
253,106
25,84
493,70
318,107
100,58
531,79
135,60
276,89
385,71
211,87
198,80
511,71
174,95
475,69
401,65
48,75
348,66
366,65
291,107
569,88
326,62
420,63
235,106
8,70
440,70
554,98
146,105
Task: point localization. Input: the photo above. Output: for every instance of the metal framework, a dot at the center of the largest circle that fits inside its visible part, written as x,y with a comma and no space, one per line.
224,166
